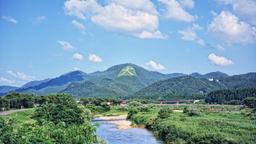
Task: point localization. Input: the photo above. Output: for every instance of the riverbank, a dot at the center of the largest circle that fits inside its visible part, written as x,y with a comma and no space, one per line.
199,124
120,121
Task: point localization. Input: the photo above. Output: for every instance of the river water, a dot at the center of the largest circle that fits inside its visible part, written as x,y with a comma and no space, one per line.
110,133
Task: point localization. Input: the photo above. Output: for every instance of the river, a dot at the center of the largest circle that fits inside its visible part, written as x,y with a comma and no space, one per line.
113,135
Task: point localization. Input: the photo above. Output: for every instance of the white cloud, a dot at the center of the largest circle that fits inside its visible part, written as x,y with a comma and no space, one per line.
9,19
20,75
175,11
78,57
201,42
219,47
137,18
79,8
244,8
39,19
65,45
187,3
189,34
6,80
219,60
94,58
230,28
156,66
78,25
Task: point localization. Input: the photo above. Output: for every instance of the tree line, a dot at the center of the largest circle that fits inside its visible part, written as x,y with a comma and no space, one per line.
59,120
19,100
245,96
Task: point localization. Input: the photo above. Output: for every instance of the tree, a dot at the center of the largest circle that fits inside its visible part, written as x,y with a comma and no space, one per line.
250,102
164,112
60,108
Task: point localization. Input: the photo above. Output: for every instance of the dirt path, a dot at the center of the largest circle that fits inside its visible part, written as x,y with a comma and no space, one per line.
120,121
4,113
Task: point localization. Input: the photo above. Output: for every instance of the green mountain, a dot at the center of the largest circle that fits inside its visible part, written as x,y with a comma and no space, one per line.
240,81
179,87
120,81
4,89
129,80
88,89
127,71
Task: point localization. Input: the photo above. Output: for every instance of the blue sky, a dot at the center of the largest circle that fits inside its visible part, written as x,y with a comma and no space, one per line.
42,39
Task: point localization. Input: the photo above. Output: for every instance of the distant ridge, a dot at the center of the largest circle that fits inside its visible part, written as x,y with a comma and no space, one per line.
130,80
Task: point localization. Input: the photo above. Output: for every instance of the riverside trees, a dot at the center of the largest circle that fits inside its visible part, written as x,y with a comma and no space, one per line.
59,120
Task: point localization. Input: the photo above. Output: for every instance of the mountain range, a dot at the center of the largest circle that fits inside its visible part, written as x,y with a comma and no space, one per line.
130,80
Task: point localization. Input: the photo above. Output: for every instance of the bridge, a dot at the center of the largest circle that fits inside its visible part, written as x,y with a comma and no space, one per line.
175,101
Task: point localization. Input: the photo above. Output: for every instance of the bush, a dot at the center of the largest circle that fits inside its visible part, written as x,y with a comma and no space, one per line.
191,111
250,102
134,104
60,108
131,112
164,112
252,114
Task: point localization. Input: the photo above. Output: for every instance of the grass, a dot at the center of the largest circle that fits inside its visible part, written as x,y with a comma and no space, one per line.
223,123
114,111
21,117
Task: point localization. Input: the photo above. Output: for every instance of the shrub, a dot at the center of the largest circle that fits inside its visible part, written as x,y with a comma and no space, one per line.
164,112
60,108
134,104
250,102
131,112
191,111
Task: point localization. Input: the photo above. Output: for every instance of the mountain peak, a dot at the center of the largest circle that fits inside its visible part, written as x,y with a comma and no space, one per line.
76,72
127,71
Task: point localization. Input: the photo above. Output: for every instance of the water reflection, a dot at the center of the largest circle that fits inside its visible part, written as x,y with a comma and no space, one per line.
113,135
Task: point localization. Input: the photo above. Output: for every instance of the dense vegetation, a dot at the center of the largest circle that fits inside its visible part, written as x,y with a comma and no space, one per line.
59,120
197,123
185,87
18,101
228,96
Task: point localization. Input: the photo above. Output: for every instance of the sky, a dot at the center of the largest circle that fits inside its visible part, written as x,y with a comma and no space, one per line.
44,39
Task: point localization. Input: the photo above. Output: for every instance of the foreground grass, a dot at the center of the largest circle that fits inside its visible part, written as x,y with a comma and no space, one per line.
215,124
21,117
114,111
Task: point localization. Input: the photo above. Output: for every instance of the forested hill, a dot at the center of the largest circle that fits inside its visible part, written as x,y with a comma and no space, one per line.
180,87
130,80
195,85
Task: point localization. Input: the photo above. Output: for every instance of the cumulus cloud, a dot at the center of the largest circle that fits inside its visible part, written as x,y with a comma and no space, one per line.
219,47
189,34
174,10
156,66
39,19
94,58
65,45
9,19
136,18
244,8
187,3
78,57
20,75
6,80
78,25
219,60
233,30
